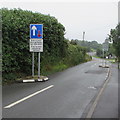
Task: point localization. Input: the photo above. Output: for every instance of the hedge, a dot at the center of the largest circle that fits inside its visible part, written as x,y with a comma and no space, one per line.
15,44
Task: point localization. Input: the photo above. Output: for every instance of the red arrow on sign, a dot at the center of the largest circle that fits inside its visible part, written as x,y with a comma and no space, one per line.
38,33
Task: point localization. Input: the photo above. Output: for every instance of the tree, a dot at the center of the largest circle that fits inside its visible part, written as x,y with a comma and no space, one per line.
16,58
115,38
99,53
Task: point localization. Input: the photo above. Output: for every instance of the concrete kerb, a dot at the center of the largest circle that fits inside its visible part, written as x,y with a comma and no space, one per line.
104,66
31,80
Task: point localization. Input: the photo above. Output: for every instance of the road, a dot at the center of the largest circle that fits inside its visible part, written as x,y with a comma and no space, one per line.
66,95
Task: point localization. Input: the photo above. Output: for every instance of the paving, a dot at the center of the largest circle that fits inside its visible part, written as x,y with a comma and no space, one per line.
107,106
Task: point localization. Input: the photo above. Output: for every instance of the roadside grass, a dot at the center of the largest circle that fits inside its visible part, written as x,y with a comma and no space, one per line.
112,60
96,57
51,69
47,70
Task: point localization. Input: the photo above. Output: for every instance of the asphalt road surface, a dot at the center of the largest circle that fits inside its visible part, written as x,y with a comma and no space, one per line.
66,95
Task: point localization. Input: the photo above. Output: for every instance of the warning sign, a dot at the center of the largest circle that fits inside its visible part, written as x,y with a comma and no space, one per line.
36,45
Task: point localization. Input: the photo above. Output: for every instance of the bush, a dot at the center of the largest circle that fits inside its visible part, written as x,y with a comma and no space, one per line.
58,53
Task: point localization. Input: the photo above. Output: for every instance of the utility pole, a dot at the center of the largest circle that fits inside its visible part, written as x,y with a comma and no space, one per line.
83,37
103,58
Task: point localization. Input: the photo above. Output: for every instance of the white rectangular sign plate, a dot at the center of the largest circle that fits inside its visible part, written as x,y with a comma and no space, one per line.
36,45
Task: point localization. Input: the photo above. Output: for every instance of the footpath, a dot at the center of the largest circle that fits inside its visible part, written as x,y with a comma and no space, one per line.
107,106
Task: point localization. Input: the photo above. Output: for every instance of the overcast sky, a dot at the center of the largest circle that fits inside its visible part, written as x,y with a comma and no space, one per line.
95,18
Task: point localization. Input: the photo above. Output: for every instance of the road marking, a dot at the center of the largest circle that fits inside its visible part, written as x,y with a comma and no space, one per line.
91,87
29,80
92,109
25,98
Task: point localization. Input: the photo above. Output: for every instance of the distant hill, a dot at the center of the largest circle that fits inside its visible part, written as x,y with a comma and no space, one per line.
90,46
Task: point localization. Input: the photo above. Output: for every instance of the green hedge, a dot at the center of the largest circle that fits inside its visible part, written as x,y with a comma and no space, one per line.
15,44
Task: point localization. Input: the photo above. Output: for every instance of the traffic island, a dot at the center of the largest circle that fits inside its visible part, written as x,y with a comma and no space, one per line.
104,66
42,79
100,65
30,79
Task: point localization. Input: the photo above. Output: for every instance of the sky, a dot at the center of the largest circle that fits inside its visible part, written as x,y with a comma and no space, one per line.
95,18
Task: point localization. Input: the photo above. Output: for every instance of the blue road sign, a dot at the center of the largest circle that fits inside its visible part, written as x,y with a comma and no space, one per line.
36,31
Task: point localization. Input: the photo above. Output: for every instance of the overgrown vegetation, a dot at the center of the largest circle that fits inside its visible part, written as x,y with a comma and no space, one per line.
90,46
115,38
58,53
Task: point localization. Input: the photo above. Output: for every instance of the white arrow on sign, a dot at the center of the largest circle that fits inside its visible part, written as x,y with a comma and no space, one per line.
34,28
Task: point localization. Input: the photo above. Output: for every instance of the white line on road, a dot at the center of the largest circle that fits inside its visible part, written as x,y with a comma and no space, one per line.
25,98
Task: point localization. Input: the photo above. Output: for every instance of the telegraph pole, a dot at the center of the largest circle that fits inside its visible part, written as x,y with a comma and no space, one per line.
83,37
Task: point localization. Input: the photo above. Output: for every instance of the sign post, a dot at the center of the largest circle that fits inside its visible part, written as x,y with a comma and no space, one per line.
33,64
39,65
36,43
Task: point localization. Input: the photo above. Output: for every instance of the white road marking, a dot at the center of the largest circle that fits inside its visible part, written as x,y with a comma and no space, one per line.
91,87
40,79
46,78
25,98
29,80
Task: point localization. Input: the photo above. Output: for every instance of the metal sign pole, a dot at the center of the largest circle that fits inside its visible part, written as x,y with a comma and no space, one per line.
105,62
33,64
103,57
36,34
39,65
